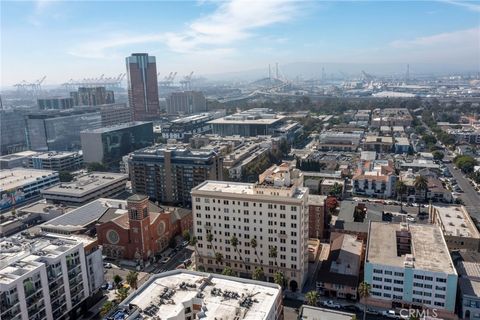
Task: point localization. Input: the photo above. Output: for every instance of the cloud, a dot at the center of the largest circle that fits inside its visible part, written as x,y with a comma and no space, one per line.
41,11
463,37
466,4
219,32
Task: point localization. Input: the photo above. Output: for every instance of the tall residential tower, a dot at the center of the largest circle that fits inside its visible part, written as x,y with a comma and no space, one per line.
142,86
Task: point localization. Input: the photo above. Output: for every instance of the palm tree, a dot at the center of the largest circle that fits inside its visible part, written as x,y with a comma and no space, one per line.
234,243
364,293
273,253
258,274
218,258
132,279
421,184
279,278
254,245
106,308
121,294
227,271
311,298
401,189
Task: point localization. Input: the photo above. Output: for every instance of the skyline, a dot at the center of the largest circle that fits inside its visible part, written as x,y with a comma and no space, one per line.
66,40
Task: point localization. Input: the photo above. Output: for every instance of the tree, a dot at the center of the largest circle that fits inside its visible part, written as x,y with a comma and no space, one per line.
401,189
227,271
132,279
465,163
218,257
254,244
332,204
193,243
65,176
234,243
258,274
279,278
117,280
121,294
186,235
96,166
336,190
106,308
354,317
437,155
364,292
421,184
311,297
273,253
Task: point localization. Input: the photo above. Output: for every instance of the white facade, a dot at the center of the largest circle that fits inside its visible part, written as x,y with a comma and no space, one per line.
47,277
276,216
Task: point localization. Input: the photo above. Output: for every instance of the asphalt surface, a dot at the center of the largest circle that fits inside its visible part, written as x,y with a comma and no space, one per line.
174,262
469,196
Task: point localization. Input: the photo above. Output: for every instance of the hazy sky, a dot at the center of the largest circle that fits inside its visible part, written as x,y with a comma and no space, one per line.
77,39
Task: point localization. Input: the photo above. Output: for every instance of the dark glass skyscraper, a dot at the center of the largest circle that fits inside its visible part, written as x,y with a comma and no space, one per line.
142,86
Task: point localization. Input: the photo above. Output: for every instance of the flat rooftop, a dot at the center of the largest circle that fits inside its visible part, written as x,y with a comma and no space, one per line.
242,188
428,247
455,222
85,184
316,200
116,127
264,121
18,155
18,177
316,313
56,155
221,297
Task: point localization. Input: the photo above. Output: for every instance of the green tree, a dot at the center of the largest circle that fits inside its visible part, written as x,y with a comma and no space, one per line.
106,308
438,155
132,279
186,235
254,244
465,163
311,297
279,278
258,274
421,185
218,257
227,271
65,176
401,189
364,293
121,294
273,253
234,244
117,280
336,190
96,166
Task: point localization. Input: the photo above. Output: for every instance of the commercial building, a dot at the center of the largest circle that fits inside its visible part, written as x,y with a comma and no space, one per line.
307,312
182,294
140,230
375,178
12,131
409,266
273,211
338,141
86,188
168,173
109,144
115,113
57,161
48,276
184,128
435,192
92,96
14,160
60,130
468,268
253,122
186,102
143,86
379,144
56,103
457,226
393,117
340,274
19,185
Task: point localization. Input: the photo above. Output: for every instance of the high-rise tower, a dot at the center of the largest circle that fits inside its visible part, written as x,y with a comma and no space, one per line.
142,86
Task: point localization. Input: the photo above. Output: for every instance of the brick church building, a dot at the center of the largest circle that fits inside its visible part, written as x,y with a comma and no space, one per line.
141,230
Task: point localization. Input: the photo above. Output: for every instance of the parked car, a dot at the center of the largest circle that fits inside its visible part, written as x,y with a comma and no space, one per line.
110,286
389,314
104,286
352,308
165,260
185,243
331,304
372,311
107,265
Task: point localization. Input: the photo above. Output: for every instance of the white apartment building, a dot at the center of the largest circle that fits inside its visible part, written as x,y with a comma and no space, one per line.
182,294
409,266
47,276
273,211
375,178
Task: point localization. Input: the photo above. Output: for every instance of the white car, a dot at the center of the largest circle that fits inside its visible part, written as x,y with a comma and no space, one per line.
410,219
389,314
331,304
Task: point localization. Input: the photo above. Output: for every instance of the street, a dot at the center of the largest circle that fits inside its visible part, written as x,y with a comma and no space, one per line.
470,196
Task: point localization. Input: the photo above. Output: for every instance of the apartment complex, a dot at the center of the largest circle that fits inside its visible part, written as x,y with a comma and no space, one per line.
375,178
186,102
182,294
48,276
168,173
273,211
19,185
86,188
115,113
56,161
409,266
142,86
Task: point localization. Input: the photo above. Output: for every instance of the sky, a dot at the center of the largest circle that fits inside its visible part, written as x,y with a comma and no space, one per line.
78,39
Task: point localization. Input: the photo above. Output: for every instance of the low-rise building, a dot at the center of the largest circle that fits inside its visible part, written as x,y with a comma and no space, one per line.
184,128
435,192
392,117
57,161
375,178
402,145
338,141
327,186
16,160
468,269
459,230
409,266
48,276
379,144
182,294
308,313
340,274
19,185
86,188
419,164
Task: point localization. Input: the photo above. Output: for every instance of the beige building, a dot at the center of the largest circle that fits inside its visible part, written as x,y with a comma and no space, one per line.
273,211
458,228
